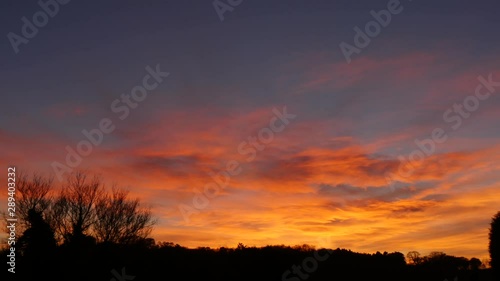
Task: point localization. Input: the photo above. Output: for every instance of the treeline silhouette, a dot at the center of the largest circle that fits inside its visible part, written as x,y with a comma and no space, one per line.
84,232
166,261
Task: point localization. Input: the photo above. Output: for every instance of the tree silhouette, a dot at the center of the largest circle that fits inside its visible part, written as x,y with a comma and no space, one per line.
413,257
73,212
494,246
475,263
121,220
36,245
33,195
38,238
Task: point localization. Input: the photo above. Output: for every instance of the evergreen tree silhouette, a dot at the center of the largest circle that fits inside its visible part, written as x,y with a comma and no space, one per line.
494,246
37,246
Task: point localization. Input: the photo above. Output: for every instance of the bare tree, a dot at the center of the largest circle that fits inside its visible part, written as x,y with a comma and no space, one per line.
73,212
82,208
57,218
34,195
414,257
121,220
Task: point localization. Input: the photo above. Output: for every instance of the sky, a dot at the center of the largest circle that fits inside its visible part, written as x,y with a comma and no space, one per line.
252,122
